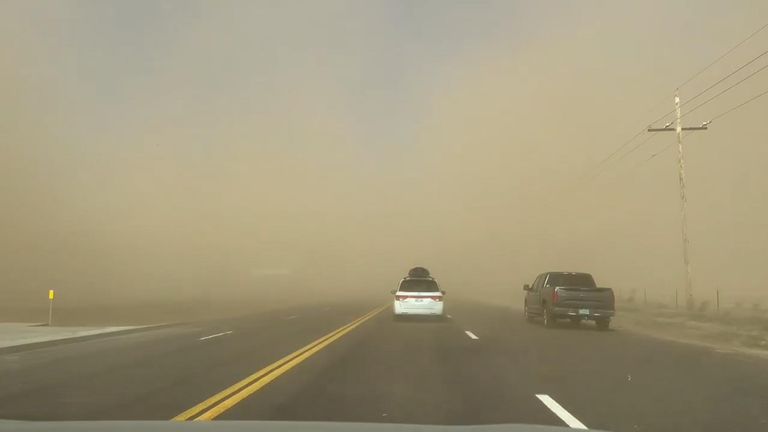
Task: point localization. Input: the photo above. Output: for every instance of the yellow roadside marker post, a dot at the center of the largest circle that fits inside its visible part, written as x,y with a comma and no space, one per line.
51,294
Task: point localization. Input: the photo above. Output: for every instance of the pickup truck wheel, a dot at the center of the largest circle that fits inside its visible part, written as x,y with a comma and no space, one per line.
549,320
603,324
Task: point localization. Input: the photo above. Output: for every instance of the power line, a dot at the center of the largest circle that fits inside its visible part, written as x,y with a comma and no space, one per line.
726,77
666,147
737,70
691,78
640,144
620,148
743,41
730,110
725,90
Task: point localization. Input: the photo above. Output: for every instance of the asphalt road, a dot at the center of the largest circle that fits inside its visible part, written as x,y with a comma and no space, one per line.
377,370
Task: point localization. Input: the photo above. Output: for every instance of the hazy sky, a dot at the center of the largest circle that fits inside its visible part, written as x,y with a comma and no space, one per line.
157,147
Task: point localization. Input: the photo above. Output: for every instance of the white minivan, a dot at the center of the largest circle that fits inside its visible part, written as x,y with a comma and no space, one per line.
418,296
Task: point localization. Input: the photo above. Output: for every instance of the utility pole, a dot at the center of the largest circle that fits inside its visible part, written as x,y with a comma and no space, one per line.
678,129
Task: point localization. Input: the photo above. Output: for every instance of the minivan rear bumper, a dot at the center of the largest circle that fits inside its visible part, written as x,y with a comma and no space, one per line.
431,309
586,314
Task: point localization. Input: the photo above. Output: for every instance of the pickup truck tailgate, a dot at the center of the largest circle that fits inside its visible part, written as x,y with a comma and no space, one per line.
585,298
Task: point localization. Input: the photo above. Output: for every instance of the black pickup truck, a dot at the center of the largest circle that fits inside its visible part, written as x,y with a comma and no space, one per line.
559,295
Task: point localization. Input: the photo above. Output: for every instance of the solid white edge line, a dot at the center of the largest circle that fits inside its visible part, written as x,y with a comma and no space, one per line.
471,335
215,335
561,412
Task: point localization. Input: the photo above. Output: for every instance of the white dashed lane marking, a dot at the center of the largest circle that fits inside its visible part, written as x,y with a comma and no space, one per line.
561,412
215,335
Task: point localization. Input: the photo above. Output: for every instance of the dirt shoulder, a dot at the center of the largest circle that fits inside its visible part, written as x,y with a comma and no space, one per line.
729,330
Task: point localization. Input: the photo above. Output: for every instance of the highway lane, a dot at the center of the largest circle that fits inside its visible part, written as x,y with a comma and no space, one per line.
406,372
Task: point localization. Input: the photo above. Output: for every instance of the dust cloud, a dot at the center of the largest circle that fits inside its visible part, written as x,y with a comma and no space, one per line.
262,152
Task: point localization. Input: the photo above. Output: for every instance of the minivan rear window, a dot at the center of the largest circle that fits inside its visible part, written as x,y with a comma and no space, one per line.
419,285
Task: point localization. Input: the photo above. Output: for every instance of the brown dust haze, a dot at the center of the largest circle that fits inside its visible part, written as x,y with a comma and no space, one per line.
182,151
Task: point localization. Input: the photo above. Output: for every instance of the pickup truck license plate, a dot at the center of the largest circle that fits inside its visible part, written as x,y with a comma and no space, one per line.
583,311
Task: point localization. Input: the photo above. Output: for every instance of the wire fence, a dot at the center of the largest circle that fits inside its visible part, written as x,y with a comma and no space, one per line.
710,301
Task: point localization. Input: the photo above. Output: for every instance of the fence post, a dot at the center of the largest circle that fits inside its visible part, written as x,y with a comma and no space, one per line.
717,294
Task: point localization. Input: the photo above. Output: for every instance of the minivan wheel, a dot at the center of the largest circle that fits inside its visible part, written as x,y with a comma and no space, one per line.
527,314
549,320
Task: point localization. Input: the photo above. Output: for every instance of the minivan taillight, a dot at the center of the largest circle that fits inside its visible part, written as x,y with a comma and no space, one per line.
437,298
401,297
555,296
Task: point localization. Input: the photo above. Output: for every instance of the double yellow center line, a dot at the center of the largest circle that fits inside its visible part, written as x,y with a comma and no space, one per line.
215,405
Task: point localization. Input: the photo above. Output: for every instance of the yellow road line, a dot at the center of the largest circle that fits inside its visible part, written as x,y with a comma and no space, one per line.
227,398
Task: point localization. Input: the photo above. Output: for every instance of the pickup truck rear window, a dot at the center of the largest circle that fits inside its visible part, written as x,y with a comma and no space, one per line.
419,285
571,280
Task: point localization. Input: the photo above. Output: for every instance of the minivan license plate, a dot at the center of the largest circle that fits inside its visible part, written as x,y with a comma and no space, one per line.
583,311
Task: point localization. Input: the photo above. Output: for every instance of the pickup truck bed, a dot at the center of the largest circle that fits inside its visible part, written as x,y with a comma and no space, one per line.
583,302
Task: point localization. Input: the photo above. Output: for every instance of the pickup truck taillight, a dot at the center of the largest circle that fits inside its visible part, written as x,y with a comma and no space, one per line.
555,296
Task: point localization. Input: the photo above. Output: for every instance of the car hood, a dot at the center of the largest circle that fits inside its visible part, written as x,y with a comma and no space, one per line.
256,426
